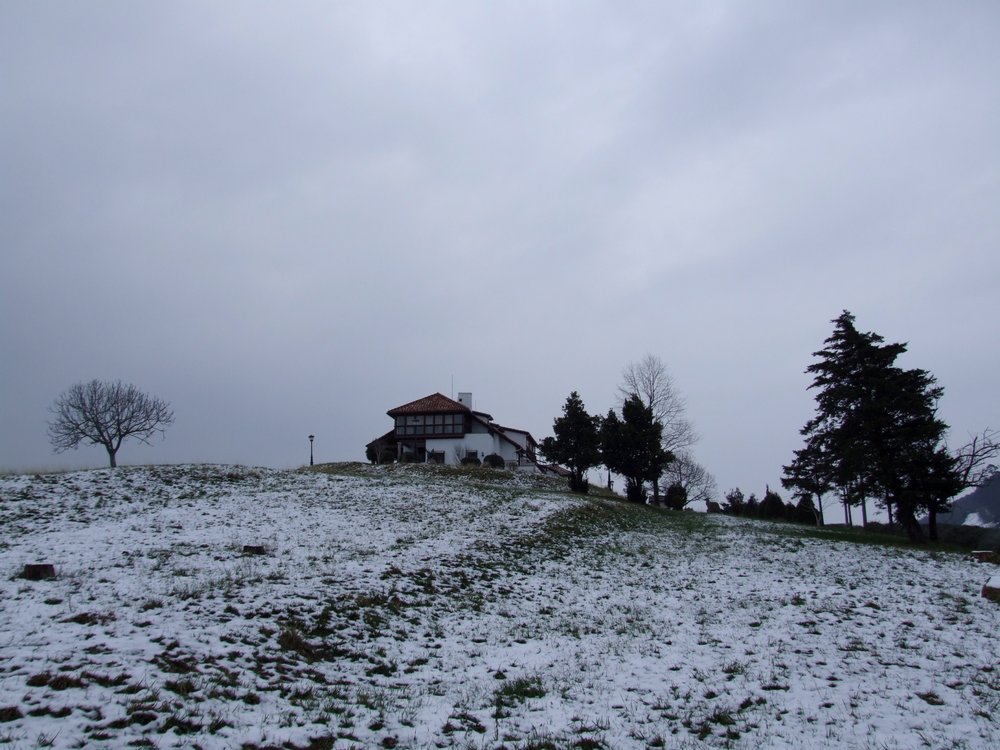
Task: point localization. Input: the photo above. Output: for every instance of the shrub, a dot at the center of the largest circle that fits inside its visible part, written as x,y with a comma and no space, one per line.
805,511
676,497
735,504
378,452
471,461
772,506
494,461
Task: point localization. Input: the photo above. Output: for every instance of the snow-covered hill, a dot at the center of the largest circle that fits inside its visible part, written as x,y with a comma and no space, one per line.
413,607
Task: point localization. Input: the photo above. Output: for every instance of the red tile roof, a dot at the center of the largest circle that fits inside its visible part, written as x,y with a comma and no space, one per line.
434,404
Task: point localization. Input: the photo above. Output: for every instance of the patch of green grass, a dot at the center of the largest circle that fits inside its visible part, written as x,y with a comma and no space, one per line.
931,698
106,680
91,618
56,713
858,535
183,688
519,690
39,679
180,724
467,722
55,682
734,668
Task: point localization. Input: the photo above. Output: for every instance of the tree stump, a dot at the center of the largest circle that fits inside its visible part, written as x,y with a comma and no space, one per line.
254,549
39,572
991,590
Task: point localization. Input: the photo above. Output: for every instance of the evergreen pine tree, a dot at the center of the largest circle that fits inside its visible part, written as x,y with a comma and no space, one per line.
633,447
735,502
876,432
804,477
676,496
576,443
771,506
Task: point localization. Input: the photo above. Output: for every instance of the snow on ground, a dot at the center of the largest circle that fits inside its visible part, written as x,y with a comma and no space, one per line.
420,607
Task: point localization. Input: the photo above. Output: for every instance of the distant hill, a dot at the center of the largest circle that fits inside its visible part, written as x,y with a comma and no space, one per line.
978,508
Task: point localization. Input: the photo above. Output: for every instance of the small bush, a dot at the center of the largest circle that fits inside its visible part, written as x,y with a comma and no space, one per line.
379,452
471,461
494,461
805,511
735,504
772,506
676,497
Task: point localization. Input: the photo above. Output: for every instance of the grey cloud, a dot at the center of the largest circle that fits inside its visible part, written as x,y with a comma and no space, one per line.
287,219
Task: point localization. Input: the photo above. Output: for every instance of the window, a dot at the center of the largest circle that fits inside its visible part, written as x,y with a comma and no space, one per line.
430,424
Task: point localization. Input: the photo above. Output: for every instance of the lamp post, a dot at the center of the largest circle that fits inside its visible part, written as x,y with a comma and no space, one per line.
311,449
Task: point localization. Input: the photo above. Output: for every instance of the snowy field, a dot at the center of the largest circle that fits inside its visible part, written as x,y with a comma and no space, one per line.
413,607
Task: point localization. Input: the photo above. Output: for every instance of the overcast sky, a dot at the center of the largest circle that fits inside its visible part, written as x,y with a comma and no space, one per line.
288,218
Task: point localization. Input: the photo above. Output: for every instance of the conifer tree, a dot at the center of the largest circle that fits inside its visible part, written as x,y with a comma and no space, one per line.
633,447
676,497
735,502
804,477
576,443
876,432
771,506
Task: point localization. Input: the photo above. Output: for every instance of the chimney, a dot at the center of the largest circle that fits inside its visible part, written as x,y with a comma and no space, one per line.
465,399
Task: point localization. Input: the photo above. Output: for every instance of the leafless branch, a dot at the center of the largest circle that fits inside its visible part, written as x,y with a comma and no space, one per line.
975,458
652,382
693,477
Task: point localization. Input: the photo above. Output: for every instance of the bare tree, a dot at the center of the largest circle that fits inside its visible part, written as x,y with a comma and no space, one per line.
699,485
105,413
650,380
974,459
379,451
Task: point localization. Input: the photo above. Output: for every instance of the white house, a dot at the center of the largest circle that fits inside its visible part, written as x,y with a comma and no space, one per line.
441,430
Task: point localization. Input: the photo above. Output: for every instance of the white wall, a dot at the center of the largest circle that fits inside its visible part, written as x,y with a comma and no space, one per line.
483,443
